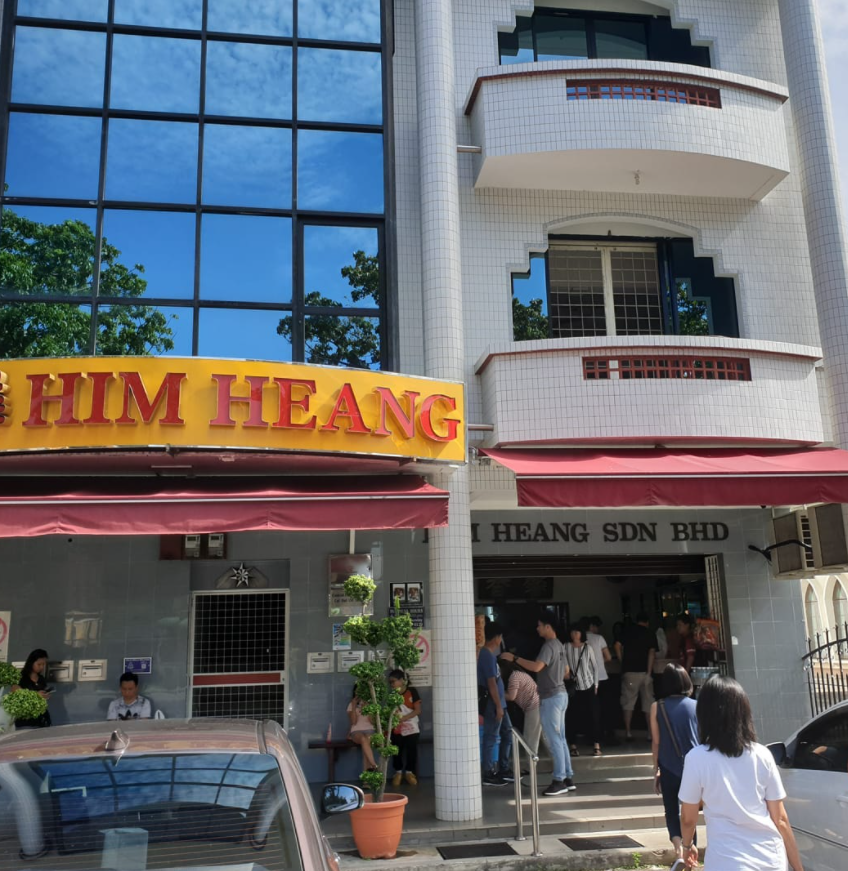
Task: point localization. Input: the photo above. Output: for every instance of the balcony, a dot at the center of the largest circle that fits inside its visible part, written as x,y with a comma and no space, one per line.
669,390
628,126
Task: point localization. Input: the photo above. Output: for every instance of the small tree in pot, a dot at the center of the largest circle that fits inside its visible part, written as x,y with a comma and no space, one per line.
15,703
390,636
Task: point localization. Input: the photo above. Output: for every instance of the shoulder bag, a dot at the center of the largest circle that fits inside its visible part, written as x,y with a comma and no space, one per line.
661,706
571,683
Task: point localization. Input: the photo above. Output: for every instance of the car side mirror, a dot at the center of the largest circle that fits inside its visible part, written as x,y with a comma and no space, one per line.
778,751
341,798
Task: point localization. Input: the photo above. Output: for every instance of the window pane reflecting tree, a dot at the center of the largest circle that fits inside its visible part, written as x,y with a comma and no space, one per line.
44,330
341,267
143,330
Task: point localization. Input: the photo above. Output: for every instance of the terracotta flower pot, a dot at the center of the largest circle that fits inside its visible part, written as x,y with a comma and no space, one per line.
377,827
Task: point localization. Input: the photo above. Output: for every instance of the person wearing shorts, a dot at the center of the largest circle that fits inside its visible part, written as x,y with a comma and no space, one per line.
637,650
361,730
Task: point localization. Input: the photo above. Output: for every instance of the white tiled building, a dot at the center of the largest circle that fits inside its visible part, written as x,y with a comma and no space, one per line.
550,146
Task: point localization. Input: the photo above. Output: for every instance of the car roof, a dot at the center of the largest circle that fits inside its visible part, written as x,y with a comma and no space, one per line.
145,736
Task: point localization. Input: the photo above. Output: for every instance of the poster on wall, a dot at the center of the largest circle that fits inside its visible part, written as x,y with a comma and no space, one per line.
422,674
5,620
341,640
342,566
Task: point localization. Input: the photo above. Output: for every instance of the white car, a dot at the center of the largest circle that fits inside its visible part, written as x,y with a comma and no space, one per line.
814,768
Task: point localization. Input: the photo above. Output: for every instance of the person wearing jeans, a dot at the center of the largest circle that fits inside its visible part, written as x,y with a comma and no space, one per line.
552,669
497,728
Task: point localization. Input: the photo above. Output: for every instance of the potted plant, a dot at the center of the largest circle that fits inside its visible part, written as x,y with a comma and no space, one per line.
377,826
15,703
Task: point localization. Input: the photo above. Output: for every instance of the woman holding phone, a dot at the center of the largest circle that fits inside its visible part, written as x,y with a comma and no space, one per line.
33,677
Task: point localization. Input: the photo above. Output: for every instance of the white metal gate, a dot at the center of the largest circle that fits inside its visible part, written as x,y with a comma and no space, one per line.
238,653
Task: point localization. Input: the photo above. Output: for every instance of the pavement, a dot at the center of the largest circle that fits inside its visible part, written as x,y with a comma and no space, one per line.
614,799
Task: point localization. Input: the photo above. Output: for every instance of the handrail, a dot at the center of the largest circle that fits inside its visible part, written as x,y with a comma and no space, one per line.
518,742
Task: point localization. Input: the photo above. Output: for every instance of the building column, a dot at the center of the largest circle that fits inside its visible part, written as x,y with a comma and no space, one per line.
455,730
803,47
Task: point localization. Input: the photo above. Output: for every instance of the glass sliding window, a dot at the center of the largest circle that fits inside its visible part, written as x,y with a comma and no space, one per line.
576,279
517,47
244,333
58,67
32,329
560,38
261,17
341,267
143,330
339,20
181,14
636,293
53,156
621,39
353,342
46,251
153,74
147,254
341,86
340,172
247,166
72,10
246,258
251,81
152,161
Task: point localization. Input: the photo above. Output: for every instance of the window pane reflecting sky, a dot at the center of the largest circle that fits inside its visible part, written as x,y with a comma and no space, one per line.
248,80
155,74
186,14
265,17
328,250
53,156
246,257
82,10
340,172
244,334
58,67
339,20
341,86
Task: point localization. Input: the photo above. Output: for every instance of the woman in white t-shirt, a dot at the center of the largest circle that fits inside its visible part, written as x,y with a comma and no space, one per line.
738,781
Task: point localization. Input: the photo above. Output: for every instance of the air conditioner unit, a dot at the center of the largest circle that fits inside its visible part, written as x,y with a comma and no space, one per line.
792,560
829,529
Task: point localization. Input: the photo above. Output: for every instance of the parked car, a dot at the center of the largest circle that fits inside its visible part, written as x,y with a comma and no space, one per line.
161,794
814,763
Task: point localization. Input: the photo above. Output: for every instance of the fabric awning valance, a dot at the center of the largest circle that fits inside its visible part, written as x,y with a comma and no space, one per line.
578,478
161,506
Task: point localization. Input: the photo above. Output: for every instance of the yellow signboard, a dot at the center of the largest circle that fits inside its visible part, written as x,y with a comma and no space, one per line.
135,402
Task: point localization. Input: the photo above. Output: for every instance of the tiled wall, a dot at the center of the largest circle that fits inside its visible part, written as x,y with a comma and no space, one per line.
144,604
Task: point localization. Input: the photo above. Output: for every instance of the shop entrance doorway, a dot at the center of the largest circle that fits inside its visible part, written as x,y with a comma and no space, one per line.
237,654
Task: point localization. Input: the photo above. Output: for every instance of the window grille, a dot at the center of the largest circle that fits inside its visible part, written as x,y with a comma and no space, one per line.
658,92
697,368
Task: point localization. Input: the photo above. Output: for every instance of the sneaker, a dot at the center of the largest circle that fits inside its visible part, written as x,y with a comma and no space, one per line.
411,779
493,780
679,865
569,783
557,787
397,779
510,777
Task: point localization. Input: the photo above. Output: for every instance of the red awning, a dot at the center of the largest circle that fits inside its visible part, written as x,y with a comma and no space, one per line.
156,506
653,476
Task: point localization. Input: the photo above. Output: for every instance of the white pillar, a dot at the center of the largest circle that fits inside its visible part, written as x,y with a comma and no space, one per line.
803,47
455,731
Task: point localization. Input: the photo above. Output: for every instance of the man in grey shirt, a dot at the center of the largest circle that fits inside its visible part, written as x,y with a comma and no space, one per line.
552,670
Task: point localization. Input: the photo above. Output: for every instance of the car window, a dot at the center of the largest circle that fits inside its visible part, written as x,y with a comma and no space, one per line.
823,745
145,812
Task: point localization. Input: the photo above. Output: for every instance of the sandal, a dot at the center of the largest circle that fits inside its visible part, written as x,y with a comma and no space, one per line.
597,752
574,751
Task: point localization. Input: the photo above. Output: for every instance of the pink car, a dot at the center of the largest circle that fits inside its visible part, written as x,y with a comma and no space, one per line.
161,794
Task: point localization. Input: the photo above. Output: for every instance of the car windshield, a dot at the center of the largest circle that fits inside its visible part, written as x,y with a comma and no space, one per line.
133,813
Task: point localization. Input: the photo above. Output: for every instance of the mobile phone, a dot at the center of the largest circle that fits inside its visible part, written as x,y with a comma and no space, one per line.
50,689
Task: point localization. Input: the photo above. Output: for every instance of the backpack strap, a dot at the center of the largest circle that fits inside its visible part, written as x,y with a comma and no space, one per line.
661,706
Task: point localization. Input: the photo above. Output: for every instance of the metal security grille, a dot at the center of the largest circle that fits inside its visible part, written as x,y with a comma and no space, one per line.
576,293
659,92
636,293
239,654
717,600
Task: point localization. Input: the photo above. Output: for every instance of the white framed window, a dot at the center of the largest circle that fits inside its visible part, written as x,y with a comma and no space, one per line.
840,605
600,289
812,613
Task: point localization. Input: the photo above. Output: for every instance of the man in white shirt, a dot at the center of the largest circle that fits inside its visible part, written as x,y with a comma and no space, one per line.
131,706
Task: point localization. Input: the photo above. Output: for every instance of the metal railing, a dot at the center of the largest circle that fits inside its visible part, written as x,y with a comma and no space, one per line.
826,665
518,742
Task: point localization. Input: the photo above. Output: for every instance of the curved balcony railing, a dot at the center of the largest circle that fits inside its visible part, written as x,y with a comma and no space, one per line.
628,126
668,390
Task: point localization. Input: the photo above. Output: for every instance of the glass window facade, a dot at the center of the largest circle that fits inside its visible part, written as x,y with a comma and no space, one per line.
195,177
559,34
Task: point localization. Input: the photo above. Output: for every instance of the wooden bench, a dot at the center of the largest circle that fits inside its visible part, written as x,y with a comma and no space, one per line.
338,745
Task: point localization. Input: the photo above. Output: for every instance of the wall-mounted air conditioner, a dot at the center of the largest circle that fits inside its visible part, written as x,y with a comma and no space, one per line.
829,530
792,560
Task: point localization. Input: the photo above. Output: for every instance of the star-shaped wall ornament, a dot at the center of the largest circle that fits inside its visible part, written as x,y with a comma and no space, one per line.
241,577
